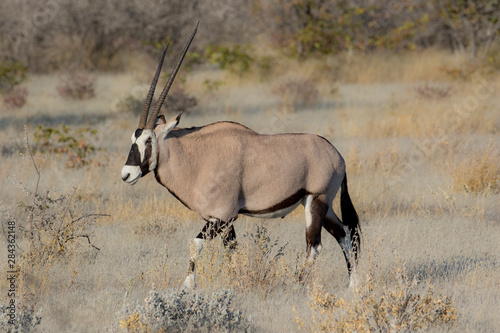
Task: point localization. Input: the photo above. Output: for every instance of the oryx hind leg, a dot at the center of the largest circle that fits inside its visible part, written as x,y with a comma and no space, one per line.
315,209
343,236
212,228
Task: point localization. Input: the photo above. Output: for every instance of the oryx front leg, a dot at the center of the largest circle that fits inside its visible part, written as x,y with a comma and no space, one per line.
229,238
212,228
195,249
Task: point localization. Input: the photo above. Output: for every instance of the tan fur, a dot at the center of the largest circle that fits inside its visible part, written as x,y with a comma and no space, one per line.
223,168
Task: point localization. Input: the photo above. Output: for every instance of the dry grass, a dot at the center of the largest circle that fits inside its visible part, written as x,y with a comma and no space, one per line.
478,172
421,175
427,65
401,306
258,264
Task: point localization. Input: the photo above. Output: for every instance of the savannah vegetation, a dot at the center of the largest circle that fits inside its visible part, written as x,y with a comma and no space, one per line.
407,91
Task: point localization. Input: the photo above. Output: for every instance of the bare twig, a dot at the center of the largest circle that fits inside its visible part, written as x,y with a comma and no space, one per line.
30,151
83,236
66,209
88,215
88,239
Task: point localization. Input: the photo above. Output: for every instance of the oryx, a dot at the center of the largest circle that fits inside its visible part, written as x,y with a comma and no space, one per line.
225,169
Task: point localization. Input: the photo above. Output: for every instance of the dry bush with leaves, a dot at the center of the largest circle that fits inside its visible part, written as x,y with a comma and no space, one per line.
77,86
257,263
403,305
50,35
174,311
16,97
432,92
55,224
74,143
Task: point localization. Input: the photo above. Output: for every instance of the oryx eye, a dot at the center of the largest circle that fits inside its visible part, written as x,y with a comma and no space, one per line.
148,141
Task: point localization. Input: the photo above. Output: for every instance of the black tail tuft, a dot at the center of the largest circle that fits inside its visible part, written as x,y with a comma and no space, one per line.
350,217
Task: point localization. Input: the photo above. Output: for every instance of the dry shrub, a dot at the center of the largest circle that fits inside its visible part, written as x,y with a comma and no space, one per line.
26,319
77,86
55,226
257,263
463,72
297,92
54,223
16,97
181,311
479,173
432,92
177,100
132,103
402,305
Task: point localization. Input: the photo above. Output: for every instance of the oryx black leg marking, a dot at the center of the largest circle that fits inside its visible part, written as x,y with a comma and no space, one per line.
315,209
214,227
229,238
211,229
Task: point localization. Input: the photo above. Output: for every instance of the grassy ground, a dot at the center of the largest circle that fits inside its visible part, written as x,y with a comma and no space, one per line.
421,137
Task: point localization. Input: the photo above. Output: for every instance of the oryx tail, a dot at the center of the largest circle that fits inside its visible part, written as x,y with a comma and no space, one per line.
350,217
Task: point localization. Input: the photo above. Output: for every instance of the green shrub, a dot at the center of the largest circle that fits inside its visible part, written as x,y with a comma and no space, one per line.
213,85
74,143
11,75
236,59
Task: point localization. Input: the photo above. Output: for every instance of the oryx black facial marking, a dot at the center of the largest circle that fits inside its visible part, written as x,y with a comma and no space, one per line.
142,156
138,132
134,157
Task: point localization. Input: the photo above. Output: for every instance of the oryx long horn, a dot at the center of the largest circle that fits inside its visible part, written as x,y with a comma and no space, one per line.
161,99
149,98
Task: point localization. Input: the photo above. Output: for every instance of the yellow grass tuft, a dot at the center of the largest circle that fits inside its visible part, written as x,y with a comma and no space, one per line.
257,264
380,306
133,324
477,173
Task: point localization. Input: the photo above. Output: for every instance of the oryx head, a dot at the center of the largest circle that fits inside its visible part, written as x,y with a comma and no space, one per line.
143,154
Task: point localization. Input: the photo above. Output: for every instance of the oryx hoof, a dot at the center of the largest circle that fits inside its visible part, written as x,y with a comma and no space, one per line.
189,283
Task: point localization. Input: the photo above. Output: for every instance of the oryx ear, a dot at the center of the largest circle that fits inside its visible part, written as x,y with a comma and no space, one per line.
163,129
160,120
